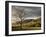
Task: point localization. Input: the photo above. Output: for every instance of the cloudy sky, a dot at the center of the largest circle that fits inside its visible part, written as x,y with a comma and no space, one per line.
29,11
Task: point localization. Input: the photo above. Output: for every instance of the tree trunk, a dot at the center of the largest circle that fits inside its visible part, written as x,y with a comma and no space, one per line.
21,24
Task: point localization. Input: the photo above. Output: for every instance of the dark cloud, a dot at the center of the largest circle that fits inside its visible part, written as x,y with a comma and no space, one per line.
29,11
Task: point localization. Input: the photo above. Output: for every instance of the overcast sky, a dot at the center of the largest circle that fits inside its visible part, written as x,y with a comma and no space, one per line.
29,11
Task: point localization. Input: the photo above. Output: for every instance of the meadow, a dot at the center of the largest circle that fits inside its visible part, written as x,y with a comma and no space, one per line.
31,24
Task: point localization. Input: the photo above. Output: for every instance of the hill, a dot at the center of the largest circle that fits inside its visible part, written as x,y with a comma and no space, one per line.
30,24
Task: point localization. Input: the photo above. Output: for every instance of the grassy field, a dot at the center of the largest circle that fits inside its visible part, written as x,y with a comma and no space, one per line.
35,24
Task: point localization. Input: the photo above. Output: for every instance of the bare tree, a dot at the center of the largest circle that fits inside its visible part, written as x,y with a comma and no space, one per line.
20,14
